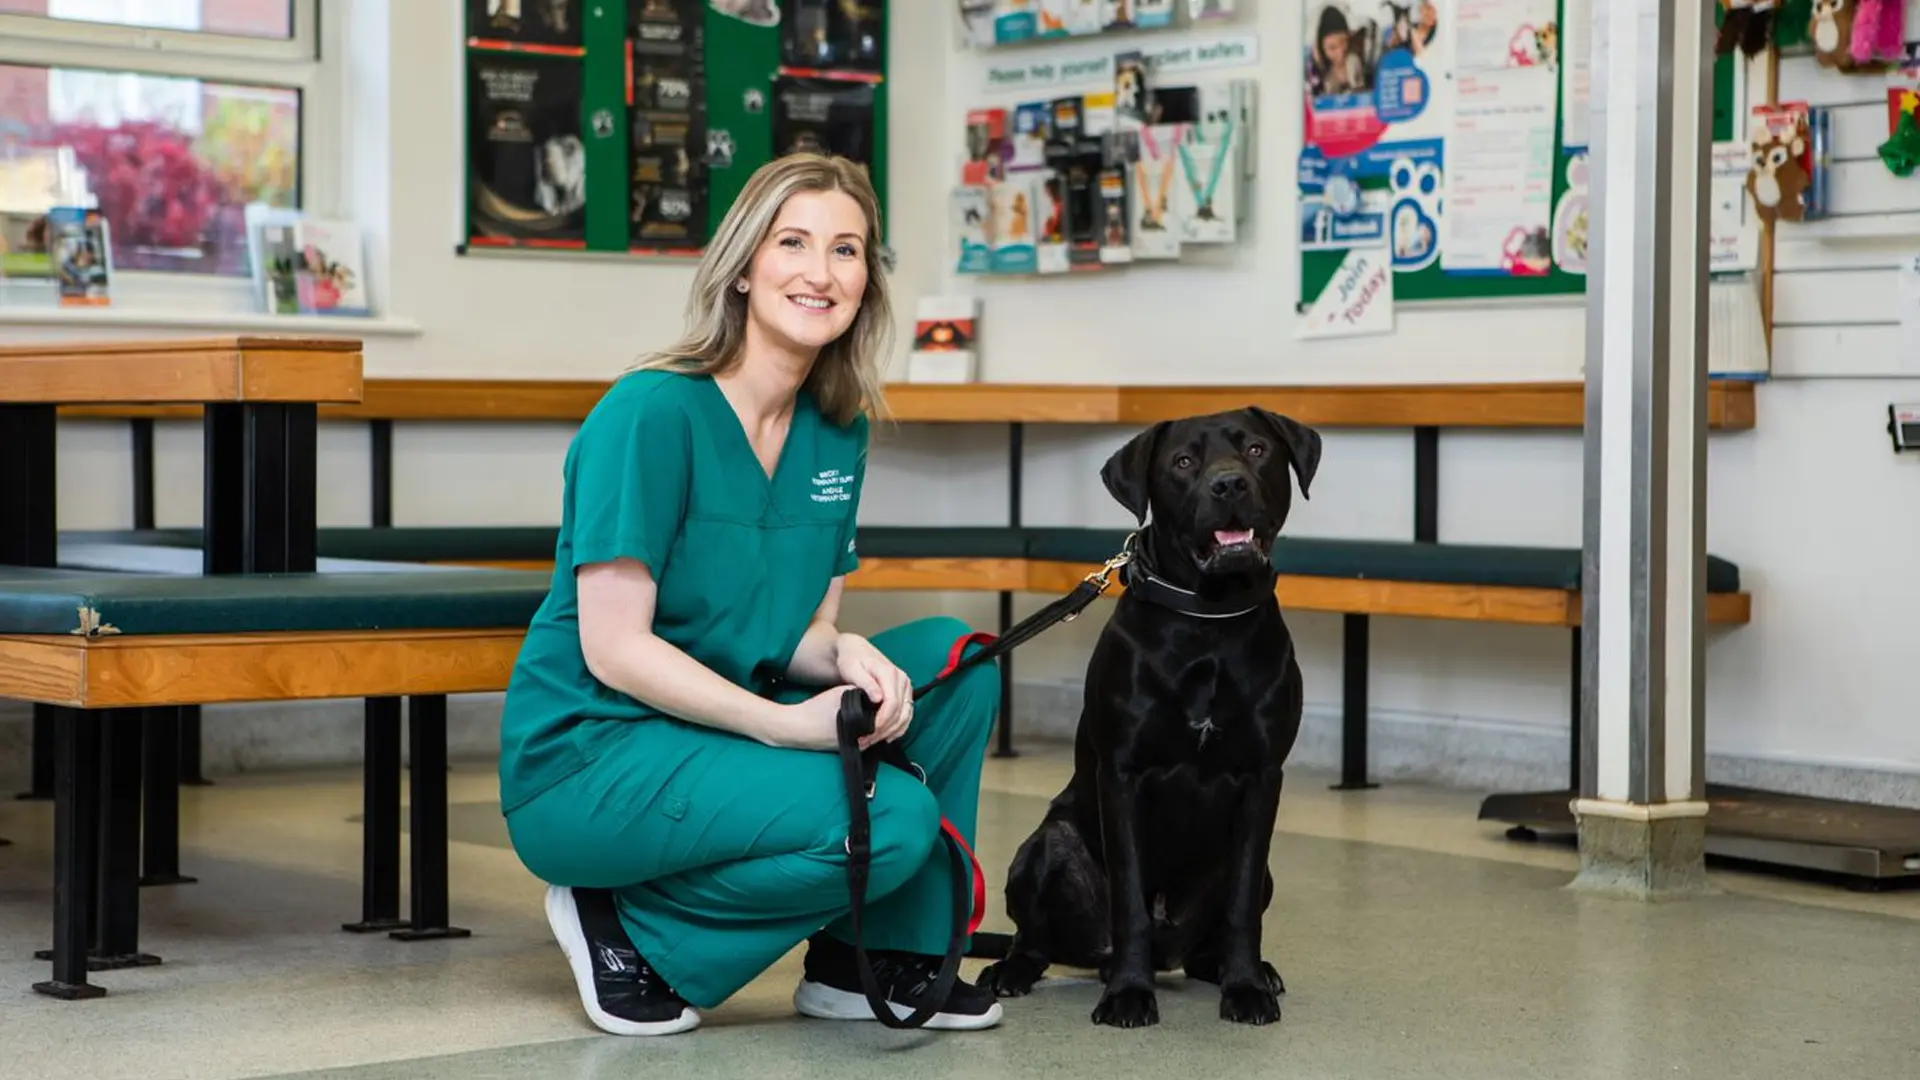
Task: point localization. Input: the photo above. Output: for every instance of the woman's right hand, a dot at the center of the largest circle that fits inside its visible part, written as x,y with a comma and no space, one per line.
813,724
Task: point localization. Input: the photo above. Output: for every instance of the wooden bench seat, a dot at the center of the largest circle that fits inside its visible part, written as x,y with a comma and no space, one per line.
119,651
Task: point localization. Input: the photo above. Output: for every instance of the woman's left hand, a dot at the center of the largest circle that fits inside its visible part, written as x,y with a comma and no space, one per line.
866,667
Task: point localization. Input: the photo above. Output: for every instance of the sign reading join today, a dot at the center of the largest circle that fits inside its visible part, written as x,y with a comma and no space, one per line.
1206,52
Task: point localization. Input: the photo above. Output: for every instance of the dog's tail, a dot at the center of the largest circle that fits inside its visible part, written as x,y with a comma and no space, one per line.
990,946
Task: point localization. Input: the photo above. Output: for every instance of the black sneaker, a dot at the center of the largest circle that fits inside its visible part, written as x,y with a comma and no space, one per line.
622,993
830,989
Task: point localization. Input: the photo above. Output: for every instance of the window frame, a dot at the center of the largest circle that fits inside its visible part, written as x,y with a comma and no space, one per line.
301,62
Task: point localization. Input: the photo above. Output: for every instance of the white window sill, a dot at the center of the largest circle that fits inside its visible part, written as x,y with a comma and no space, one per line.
233,321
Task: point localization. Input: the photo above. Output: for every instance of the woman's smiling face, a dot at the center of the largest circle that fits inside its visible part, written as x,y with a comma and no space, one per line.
806,281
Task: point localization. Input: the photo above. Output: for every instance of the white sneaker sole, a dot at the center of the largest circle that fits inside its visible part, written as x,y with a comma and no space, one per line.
564,916
826,1003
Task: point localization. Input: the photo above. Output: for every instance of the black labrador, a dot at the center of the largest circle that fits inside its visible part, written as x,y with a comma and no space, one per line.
1154,857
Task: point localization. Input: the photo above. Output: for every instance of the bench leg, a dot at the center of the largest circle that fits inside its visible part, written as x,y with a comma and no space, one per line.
427,784
380,821
1353,707
160,788
40,788
76,839
117,944
191,772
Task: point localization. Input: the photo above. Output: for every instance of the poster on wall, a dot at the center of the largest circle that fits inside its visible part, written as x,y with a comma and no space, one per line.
526,156
535,24
823,116
751,12
1500,143
670,144
1372,168
837,35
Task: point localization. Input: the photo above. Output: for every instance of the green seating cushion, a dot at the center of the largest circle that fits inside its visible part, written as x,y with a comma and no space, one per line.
490,542
49,601
410,543
1385,560
942,542
161,559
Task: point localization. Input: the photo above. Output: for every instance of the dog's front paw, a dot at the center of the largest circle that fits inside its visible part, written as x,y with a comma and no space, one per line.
1012,977
1128,1007
1249,1005
1272,977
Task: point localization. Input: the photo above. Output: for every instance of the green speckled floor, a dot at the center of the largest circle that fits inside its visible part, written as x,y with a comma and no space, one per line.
1414,940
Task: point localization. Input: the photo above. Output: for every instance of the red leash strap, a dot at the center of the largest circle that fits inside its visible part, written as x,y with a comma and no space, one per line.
959,651
979,876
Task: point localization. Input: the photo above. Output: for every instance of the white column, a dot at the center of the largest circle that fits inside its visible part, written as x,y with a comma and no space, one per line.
1645,477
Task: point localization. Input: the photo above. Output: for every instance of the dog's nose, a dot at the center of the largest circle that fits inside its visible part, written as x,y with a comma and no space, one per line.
1230,485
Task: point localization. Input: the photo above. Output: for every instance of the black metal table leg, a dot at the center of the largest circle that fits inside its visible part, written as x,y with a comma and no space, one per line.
427,785
29,536
1016,437
40,787
1353,706
188,725
117,944
160,788
76,845
380,821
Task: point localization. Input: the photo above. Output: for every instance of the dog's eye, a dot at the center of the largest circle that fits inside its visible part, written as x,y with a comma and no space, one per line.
1256,450
1183,462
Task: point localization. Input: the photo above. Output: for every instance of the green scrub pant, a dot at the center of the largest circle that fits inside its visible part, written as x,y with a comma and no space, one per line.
724,853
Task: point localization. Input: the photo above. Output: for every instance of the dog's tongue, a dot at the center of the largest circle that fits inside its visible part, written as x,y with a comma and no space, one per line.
1228,537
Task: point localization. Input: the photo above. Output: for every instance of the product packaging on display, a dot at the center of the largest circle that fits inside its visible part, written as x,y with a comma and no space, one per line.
944,336
1104,178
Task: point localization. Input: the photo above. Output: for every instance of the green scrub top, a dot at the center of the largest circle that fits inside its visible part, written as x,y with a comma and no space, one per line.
661,471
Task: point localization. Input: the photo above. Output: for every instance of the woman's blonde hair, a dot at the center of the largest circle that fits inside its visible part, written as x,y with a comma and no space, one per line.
846,376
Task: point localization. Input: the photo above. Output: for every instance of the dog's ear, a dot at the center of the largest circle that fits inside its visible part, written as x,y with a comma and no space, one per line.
1128,471
1301,441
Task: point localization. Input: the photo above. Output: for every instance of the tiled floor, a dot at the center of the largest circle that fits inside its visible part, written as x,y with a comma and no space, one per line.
1415,941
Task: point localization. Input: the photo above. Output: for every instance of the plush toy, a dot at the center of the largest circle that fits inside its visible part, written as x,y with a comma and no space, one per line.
1833,35
1743,27
1879,31
1793,24
1901,152
1779,177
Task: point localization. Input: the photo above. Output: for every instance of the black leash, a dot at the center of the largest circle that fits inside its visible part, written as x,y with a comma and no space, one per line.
861,772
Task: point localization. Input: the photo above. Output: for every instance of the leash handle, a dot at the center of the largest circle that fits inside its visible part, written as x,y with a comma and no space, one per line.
860,772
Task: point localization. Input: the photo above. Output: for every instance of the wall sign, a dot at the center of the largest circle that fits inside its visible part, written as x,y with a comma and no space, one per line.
1049,69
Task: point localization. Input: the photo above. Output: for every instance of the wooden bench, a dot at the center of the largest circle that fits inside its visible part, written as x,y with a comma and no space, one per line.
1423,409
116,652
1358,579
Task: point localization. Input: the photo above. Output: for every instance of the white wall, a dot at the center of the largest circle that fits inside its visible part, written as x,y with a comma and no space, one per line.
1813,505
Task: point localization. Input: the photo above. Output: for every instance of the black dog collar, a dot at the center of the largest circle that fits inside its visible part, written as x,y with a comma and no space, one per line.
1141,581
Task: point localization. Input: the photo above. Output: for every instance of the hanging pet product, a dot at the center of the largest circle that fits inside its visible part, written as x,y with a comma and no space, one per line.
1746,25
1880,31
1788,178
1832,31
1793,25
1901,152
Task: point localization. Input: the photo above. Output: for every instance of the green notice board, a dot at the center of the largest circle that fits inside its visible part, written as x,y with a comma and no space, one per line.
1377,148
631,126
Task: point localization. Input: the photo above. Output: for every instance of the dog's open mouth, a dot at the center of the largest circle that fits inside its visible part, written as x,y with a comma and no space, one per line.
1234,543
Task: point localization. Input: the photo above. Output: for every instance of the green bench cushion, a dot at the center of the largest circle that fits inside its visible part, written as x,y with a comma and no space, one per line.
1386,560
1471,564
942,542
40,601
529,543
489,542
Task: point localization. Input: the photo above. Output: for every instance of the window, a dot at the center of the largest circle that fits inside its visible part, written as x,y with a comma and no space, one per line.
171,115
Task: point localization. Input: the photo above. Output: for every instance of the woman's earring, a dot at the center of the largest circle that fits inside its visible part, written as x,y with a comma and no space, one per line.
740,286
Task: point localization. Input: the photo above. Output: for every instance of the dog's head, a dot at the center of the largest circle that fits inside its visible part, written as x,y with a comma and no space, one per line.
1217,485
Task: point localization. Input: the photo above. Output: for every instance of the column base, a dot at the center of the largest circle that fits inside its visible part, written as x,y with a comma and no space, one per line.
1635,852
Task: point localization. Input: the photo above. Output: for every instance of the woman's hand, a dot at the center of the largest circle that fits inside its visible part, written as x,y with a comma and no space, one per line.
866,667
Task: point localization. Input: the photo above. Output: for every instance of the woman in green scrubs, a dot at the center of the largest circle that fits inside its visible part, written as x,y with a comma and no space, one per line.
667,744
